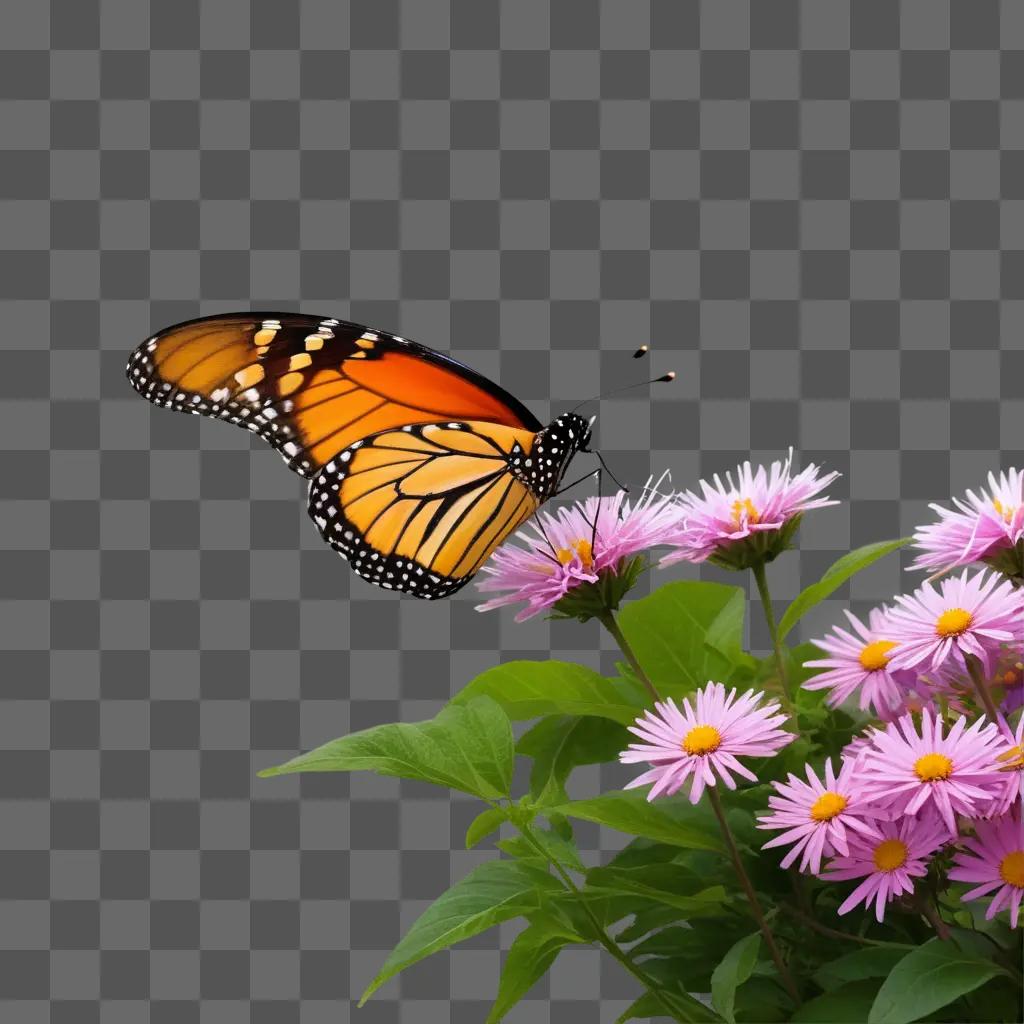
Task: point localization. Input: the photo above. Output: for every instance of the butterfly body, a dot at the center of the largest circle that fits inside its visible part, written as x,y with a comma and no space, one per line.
418,466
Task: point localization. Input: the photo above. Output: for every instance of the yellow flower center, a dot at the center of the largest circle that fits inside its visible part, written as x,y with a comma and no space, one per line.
580,547
890,854
702,739
953,622
876,655
1011,869
1005,512
741,506
1013,758
933,767
827,806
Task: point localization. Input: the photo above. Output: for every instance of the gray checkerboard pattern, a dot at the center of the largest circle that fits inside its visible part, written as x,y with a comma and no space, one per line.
816,212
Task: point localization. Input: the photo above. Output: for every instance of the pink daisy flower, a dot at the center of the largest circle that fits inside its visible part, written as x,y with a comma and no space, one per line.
986,526
700,741
816,815
1011,764
566,554
859,746
994,858
887,863
858,662
966,615
954,774
748,520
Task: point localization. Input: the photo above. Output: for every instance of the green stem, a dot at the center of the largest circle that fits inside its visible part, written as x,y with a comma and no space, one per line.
931,914
602,933
978,678
748,888
769,615
610,623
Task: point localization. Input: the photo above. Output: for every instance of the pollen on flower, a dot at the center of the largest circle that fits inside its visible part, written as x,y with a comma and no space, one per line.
1005,512
875,655
1011,869
744,507
1013,758
933,767
702,739
579,547
827,806
953,622
890,854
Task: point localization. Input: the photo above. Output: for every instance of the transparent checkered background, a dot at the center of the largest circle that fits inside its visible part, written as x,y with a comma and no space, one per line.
814,210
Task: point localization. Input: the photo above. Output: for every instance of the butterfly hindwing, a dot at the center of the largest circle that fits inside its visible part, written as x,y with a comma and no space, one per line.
311,386
419,509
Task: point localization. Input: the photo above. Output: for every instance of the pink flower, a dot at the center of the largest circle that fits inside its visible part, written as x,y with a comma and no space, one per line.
698,742
860,661
994,858
965,616
1011,764
954,774
817,816
752,519
983,526
887,864
566,552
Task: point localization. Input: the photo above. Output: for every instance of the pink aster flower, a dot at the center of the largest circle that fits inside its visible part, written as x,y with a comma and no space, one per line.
748,520
1011,764
994,858
966,615
986,526
566,552
816,815
858,662
954,774
887,863
704,740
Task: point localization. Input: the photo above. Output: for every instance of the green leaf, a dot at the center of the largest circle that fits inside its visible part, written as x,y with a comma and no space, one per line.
662,883
529,957
484,824
560,743
530,689
469,748
835,576
850,1004
559,849
735,968
491,893
648,1005
667,821
927,978
686,633
870,962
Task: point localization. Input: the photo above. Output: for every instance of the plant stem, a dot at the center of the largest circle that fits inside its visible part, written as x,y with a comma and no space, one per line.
835,933
933,917
769,615
610,623
602,933
980,684
748,888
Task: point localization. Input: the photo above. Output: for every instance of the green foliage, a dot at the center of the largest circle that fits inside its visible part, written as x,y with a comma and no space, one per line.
686,633
559,744
867,962
927,979
530,689
486,823
529,959
667,821
849,1004
735,968
468,747
835,576
491,893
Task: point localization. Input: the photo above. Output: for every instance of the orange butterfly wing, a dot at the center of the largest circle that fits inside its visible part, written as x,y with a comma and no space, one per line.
420,509
311,386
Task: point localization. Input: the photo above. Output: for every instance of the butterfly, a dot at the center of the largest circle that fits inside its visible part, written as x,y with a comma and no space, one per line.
418,466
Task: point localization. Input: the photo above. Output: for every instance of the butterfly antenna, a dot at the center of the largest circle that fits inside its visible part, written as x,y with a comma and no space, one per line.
663,379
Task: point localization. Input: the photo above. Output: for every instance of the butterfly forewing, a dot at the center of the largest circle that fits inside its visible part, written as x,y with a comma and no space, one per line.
310,386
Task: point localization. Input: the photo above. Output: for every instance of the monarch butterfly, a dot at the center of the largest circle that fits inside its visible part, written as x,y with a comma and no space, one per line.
419,467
